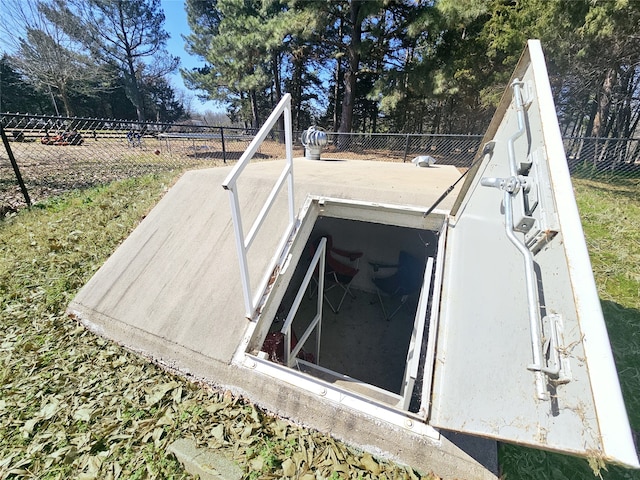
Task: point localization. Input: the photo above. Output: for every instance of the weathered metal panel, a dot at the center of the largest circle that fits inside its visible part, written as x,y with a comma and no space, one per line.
523,353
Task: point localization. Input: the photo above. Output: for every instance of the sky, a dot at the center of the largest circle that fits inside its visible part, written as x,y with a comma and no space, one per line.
176,25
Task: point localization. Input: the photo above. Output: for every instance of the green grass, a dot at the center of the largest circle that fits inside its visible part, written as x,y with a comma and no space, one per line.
73,405
76,406
610,216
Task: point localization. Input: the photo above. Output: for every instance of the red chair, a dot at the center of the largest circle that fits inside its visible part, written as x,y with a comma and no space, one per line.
341,266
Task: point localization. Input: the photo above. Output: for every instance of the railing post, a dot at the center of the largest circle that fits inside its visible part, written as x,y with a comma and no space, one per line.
317,262
288,142
244,243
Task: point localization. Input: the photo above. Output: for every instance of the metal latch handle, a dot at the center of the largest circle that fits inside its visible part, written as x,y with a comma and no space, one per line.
510,187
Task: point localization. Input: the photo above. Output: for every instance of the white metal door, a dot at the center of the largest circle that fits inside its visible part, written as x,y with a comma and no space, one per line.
522,352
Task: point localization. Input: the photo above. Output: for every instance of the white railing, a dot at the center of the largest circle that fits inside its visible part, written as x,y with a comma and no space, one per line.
415,345
316,262
230,183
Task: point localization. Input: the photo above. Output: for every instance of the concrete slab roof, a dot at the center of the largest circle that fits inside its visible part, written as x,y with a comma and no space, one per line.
172,292
176,278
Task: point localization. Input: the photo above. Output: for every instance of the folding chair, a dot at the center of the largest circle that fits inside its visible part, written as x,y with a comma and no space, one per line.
400,285
341,266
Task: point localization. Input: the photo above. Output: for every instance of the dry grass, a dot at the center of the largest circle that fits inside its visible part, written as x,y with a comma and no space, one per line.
76,406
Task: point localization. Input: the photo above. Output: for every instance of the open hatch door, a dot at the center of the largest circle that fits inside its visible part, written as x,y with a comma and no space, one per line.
523,353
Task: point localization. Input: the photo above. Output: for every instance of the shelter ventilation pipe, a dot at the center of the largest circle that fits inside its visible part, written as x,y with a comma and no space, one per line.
313,139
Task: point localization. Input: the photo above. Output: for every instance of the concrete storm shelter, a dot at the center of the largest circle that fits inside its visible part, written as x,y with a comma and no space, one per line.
502,339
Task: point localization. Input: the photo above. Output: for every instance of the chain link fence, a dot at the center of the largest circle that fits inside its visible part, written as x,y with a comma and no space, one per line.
51,155
58,154
457,150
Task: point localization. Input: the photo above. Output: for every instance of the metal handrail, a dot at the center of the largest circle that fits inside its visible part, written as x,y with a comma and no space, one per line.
316,262
230,183
415,344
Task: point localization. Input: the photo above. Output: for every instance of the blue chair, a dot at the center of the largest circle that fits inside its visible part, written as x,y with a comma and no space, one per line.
400,285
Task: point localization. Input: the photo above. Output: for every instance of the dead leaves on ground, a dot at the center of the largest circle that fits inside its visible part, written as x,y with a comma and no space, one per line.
73,405
98,411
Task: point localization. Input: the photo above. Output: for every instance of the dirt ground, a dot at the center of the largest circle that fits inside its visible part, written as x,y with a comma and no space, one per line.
49,170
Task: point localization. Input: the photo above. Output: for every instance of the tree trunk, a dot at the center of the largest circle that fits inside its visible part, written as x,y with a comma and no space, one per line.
255,114
336,95
374,121
275,66
601,121
296,90
592,116
350,75
631,86
336,87
634,123
134,90
65,101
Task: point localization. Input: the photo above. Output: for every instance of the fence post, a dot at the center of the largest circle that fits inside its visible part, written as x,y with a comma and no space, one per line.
224,152
406,149
14,164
